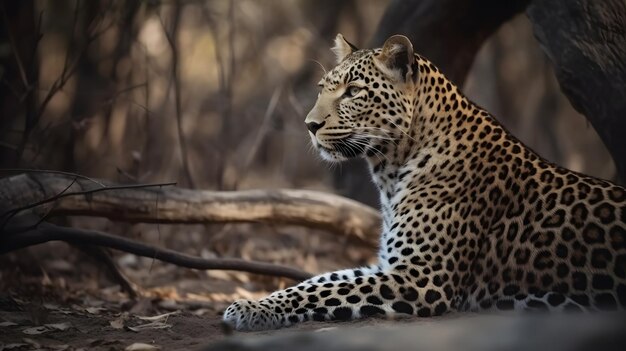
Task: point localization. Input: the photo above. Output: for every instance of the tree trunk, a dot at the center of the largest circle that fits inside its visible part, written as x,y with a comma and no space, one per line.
447,32
586,42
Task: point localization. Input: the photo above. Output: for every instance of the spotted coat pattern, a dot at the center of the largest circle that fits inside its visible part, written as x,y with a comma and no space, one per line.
472,218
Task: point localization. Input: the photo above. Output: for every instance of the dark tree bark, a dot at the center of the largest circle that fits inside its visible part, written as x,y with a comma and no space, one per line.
586,42
447,32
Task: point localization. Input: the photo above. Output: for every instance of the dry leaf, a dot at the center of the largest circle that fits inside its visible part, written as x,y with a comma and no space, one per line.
7,324
148,326
95,310
92,302
164,316
203,312
35,330
170,305
138,346
59,326
57,308
119,322
60,265
32,342
12,346
46,328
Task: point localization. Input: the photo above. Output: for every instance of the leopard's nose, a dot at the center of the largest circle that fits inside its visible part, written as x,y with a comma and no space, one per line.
314,127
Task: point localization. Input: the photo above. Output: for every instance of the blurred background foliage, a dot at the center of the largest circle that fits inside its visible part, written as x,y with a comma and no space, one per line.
213,94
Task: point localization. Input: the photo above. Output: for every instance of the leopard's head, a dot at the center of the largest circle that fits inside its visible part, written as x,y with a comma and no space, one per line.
366,102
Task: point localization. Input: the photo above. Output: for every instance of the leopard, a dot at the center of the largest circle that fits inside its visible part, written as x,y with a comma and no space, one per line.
472,219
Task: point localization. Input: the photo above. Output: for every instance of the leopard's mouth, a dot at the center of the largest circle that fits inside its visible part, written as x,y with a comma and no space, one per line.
341,149
349,149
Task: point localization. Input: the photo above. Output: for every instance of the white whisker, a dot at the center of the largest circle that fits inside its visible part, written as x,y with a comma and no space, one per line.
401,131
368,147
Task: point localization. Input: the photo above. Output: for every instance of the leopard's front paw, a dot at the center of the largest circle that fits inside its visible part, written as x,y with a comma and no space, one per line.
246,315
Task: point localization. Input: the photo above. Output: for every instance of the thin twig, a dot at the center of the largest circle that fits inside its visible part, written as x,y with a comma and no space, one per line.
295,104
20,64
29,170
224,108
269,112
70,45
172,41
48,232
44,217
67,72
231,48
123,91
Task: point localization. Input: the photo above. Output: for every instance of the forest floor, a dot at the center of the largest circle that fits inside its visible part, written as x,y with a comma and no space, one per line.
54,297
76,329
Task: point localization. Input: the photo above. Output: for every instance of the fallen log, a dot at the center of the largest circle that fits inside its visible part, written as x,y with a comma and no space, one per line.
306,208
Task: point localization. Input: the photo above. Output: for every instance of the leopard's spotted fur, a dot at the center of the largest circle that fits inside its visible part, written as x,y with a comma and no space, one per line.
472,219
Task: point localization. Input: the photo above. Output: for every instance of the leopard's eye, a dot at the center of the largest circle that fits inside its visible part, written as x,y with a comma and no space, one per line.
352,91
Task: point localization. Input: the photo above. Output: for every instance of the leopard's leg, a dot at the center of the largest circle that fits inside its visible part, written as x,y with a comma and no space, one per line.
238,312
389,293
344,274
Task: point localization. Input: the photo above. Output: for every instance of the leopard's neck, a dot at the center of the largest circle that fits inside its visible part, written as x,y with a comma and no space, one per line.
432,117
445,130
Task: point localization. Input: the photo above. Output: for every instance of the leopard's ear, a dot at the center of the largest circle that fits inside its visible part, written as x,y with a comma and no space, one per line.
342,48
396,59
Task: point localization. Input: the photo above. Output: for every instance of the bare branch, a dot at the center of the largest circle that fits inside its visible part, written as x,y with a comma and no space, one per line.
67,72
263,129
175,79
47,232
16,54
29,170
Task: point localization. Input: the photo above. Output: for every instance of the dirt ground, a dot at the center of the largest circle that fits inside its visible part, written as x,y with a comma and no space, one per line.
55,297
80,330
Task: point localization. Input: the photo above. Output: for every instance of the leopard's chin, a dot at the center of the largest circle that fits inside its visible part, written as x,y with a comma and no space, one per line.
339,151
331,155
